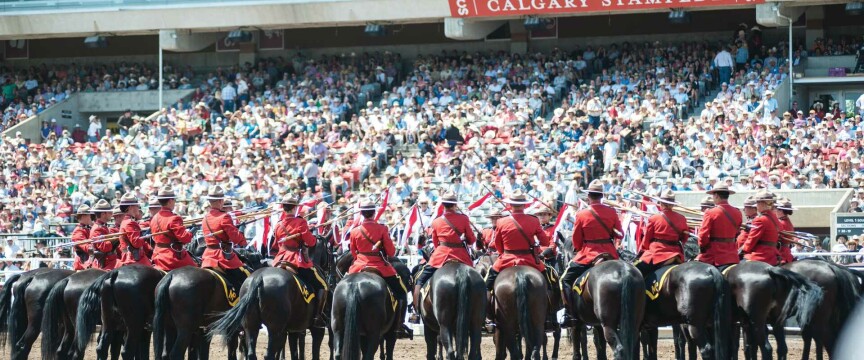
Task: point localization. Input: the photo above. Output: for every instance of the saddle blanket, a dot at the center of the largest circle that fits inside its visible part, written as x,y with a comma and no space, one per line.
229,285
579,284
654,281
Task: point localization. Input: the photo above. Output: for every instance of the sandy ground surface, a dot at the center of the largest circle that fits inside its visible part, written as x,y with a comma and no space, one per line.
416,349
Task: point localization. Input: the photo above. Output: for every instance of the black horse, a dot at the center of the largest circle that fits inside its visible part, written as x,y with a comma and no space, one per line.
520,307
189,299
272,297
694,294
453,312
24,315
58,320
842,290
356,331
124,298
613,299
764,295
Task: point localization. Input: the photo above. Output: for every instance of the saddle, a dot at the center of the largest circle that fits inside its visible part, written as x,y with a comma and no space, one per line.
579,284
229,285
654,281
724,269
601,258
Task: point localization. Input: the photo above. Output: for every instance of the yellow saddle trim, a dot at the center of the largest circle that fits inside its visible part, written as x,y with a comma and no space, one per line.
726,270
654,292
577,286
304,290
230,295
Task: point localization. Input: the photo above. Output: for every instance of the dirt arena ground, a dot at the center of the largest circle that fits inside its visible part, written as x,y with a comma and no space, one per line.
416,349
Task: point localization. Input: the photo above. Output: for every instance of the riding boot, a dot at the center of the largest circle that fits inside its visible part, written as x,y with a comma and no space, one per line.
416,314
490,312
569,318
402,330
320,320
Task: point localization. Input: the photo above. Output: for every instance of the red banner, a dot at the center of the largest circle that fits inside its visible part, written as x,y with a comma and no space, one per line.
485,8
271,40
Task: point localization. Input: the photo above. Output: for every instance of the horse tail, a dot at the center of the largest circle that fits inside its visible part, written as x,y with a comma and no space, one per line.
17,321
523,309
463,306
804,295
351,335
90,308
229,324
627,331
5,306
160,311
722,325
52,320
847,295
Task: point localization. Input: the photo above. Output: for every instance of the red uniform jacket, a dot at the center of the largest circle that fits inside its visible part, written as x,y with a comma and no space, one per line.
290,250
742,236
662,241
590,238
489,238
717,235
785,247
366,254
106,247
213,257
549,229
164,257
513,247
81,233
131,240
761,243
448,244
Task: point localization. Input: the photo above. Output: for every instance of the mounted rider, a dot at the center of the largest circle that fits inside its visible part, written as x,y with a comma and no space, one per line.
104,252
82,233
518,238
664,237
452,237
596,235
783,208
170,252
220,237
487,235
372,247
133,249
764,235
720,225
293,236
750,214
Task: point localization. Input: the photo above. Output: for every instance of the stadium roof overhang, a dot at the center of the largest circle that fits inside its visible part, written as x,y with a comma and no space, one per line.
220,16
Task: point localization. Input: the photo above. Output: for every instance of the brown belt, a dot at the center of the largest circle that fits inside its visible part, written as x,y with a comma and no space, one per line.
218,247
668,242
290,248
163,246
598,241
722,240
369,253
519,252
767,243
452,245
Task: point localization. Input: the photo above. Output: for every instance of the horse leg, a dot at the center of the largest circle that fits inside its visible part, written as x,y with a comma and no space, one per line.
250,336
317,340
600,342
806,337
499,338
431,342
699,339
116,344
330,338
371,343
583,340
204,346
819,350
301,345
182,340
760,339
780,338
476,335
556,336
276,344
445,338
649,339
390,344
736,341
25,344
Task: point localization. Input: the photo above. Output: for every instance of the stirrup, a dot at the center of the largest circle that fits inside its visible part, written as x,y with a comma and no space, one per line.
404,332
568,321
489,325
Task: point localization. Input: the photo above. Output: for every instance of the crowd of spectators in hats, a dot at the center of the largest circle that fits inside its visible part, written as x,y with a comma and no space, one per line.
29,91
341,127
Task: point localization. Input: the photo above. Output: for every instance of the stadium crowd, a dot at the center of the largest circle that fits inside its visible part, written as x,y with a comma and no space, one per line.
338,128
